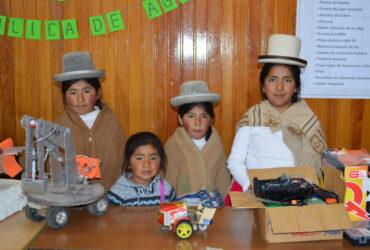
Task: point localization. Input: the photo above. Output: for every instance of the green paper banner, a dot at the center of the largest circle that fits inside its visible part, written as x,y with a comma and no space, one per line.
52,30
2,24
15,28
70,30
33,29
97,25
115,21
169,5
152,9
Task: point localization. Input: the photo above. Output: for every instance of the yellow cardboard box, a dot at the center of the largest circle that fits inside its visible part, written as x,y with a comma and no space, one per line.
297,223
355,197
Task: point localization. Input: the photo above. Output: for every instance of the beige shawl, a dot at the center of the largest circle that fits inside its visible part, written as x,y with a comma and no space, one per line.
105,140
190,169
301,129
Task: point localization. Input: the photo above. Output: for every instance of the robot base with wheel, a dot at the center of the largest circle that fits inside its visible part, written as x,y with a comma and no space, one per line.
66,187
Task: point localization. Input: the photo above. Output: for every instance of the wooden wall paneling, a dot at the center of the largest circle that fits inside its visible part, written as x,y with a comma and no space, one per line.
122,66
56,53
97,48
135,68
82,14
161,72
175,65
200,40
254,50
148,91
267,23
2,91
356,119
20,87
227,74
292,16
97,42
343,124
281,22
213,61
68,45
214,40
31,98
3,83
241,54
7,88
188,41
109,57
328,119
70,12
352,137
44,67
3,105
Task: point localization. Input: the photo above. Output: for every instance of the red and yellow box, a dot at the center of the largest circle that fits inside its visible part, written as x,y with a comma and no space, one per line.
355,196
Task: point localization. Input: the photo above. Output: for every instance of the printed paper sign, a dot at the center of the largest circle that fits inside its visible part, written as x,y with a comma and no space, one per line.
335,41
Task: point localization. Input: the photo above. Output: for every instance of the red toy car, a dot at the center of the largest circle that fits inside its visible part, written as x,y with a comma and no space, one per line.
176,216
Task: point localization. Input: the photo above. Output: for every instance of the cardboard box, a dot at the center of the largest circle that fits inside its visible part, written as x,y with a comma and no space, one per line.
297,223
356,179
355,165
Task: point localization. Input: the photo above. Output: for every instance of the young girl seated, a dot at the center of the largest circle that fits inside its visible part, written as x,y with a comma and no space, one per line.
281,131
196,157
141,185
96,130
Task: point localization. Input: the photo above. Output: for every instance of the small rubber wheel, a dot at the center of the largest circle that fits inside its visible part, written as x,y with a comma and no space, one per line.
184,229
57,217
99,207
32,214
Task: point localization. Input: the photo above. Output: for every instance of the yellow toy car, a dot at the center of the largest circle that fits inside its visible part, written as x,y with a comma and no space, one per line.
177,217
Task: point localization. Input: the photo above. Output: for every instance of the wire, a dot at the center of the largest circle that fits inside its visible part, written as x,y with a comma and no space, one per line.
46,136
261,199
278,184
304,177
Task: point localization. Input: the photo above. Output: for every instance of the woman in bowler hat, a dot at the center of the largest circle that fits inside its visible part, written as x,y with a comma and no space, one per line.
96,130
196,156
281,131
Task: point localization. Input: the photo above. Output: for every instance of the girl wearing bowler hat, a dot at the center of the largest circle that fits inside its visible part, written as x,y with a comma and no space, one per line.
96,131
281,131
196,157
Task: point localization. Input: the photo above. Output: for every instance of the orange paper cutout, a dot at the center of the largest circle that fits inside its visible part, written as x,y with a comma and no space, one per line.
9,164
90,167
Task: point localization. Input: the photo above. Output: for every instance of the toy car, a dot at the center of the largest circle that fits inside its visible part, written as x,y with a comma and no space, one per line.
177,217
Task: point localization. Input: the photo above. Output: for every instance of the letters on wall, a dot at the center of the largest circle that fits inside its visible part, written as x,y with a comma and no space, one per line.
68,29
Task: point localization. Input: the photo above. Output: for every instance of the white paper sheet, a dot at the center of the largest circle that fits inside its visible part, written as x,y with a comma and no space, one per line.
336,43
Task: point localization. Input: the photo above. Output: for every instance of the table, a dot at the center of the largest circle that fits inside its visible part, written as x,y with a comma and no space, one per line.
17,232
137,228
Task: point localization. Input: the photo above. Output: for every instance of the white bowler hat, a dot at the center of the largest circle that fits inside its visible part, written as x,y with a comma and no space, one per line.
194,91
78,65
283,49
